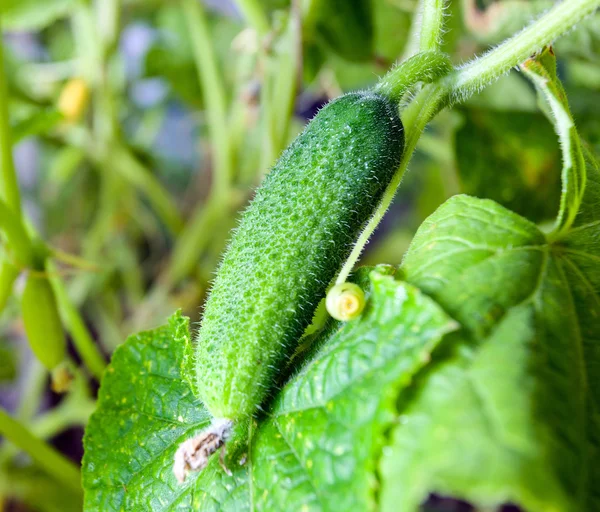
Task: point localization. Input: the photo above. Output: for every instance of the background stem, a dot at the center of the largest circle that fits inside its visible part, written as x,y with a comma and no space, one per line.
254,15
213,91
52,461
191,242
432,25
9,188
8,275
16,235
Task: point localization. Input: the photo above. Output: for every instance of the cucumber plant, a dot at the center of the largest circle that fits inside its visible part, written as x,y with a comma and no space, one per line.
303,232
464,370
335,173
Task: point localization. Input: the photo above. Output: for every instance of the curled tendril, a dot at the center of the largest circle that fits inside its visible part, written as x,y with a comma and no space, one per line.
345,301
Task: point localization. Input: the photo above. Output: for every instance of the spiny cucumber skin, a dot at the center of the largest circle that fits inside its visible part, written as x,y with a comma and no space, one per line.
291,242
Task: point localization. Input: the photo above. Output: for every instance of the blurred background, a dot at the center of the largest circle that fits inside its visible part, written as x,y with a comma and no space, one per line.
141,127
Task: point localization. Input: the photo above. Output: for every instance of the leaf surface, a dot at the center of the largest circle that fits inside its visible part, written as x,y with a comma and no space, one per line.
145,409
508,411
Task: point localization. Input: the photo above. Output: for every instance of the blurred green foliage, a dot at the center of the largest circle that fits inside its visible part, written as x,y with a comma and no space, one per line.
520,155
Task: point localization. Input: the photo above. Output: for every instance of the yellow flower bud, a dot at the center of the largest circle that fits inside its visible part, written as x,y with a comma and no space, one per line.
345,301
73,99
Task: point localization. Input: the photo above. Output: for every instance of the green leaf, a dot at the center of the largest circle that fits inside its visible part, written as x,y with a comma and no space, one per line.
508,411
541,70
326,428
33,14
580,259
525,370
145,409
476,258
468,432
314,449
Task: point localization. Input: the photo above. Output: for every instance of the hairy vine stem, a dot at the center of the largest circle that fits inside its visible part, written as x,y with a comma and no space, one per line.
432,25
479,72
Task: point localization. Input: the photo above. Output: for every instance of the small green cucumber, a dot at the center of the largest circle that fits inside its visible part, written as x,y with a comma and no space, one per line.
290,243
42,322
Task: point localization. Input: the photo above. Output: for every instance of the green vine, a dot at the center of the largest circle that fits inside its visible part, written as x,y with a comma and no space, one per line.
47,457
458,85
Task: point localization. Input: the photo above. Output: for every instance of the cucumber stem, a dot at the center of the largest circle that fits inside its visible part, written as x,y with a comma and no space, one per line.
424,67
432,25
416,118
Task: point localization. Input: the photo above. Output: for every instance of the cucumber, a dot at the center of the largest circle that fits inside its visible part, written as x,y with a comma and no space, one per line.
42,322
290,243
